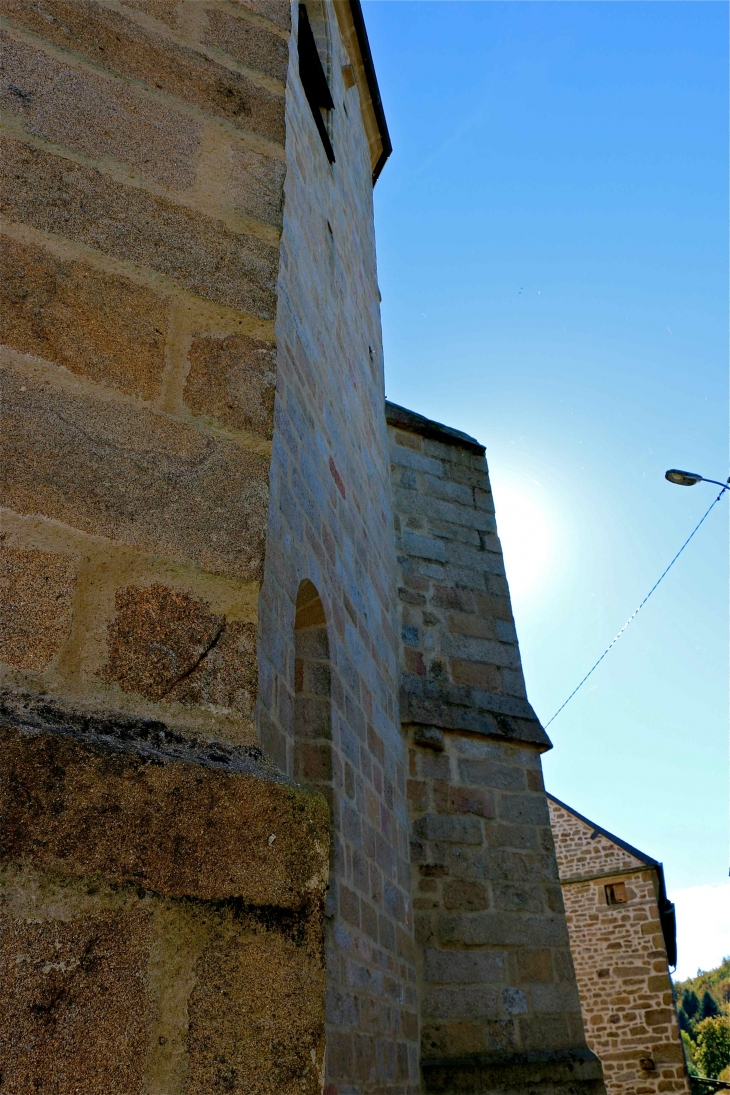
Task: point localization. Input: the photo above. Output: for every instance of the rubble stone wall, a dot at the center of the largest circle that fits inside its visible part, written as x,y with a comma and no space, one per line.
620,961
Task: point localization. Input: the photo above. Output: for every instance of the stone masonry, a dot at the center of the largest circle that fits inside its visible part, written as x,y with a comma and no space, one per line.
330,536
162,883
498,1001
622,937
246,730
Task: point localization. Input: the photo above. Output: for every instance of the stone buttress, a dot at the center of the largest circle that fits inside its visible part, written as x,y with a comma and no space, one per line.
498,1002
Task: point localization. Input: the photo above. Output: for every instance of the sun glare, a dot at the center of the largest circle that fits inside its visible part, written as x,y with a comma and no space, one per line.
528,536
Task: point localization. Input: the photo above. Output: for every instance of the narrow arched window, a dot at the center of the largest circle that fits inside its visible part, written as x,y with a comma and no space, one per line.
312,684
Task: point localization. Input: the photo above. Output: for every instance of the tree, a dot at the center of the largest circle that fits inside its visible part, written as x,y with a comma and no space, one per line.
708,1007
689,1053
690,1003
685,1023
713,1045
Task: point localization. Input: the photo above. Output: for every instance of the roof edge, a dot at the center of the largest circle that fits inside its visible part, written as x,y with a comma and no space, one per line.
647,859
363,42
418,423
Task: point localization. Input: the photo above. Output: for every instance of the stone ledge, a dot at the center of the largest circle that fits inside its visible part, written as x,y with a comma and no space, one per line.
135,801
563,1072
404,419
461,707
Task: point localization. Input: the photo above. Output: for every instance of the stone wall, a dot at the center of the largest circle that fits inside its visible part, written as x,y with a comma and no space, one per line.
148,879
620,958
162,885
143,169
498,998
330,525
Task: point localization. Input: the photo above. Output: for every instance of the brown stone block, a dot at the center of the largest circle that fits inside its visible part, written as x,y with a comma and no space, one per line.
104,327
477,627
256,186
462,1038
469,800
233,380
135,802
465,895
476,675
200,254
534,965
313,762
107,120
36,593
417,791
257,1012
247,42
121,471
164,644
657,1017
278,11
122,47
73,1002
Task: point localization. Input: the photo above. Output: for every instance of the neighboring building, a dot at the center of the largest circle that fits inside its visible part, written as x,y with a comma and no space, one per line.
220,663
623,939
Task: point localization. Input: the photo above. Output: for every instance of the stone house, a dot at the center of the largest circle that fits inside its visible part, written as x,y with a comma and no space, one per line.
623,940
273,812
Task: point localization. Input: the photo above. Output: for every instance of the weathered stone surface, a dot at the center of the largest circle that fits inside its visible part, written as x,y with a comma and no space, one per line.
232,379
199,253
134,475
107,120
124,48
104,327
73,1003
136,803
166,645
278,11
247,42
256,186
269,1037
36,595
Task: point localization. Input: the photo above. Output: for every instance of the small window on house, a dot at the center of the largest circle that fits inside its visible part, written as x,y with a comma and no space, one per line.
314,80
616,893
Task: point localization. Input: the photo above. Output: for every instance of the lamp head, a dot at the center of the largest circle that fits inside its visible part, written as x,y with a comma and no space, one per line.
682,478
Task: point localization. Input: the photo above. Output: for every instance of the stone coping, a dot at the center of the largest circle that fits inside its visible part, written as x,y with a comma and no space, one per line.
404,419
562,1072
461,707
134,802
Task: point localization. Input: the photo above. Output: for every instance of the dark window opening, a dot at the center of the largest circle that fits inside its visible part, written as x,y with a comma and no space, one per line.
314,81
616,893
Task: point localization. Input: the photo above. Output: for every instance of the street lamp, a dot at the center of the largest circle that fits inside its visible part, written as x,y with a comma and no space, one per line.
690,478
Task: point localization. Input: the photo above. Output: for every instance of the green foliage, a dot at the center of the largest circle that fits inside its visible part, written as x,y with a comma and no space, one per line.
709,1007
689,1053
702,997
713,1045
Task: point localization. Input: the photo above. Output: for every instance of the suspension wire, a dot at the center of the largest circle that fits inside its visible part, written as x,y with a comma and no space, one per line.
635,613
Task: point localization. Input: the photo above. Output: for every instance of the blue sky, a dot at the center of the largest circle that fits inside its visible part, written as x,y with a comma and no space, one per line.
553,260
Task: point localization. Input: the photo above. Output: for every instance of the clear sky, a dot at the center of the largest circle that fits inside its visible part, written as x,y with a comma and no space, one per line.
553,261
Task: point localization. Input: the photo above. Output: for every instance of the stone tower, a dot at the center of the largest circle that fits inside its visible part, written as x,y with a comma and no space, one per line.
204,857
